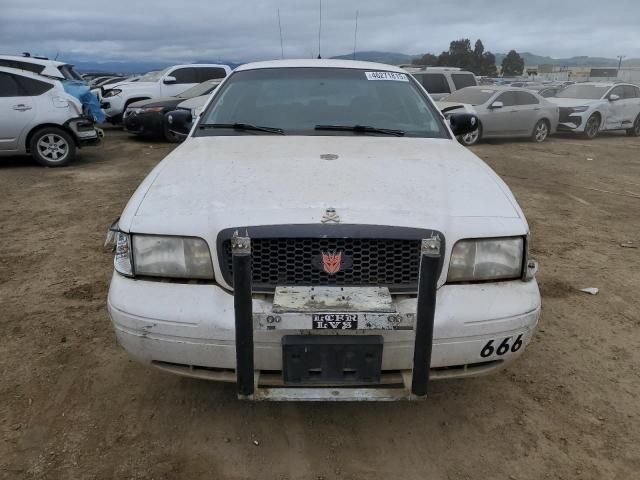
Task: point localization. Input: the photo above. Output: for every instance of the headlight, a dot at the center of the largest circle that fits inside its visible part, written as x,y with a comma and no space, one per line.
486,259
580,109
172,257
122,257
152,109
111,93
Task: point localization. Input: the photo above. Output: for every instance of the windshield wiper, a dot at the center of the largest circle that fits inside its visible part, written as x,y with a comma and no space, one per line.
361,129
243,126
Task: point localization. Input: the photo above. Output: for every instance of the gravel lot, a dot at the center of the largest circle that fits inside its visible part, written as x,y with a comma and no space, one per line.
73,406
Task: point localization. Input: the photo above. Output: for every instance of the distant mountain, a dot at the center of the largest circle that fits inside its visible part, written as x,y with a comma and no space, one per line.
392,58
533,59
132,66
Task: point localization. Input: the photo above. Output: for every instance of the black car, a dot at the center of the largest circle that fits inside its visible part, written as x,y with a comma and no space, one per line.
146,117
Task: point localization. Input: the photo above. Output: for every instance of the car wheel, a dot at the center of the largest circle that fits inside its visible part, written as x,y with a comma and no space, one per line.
592,127
471,138
52,147
540,131
635,130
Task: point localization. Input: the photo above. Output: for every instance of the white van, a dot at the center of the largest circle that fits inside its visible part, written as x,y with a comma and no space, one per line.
442,81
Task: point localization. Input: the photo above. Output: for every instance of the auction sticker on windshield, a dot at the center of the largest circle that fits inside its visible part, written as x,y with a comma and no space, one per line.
398,77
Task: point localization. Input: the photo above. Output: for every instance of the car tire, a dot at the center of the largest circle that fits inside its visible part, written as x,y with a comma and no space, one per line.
471,138
540,131
592,127
52,147
171,137
635,130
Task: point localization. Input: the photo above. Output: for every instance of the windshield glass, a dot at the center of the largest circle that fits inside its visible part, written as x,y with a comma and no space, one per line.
591,92
203,88
297,100
473,96
153,76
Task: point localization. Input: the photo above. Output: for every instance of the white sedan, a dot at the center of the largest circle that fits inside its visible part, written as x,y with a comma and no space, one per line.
321,229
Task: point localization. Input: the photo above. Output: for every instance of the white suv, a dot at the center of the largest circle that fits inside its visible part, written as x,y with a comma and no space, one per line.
442,81
38,117
592,107
166,83
42,66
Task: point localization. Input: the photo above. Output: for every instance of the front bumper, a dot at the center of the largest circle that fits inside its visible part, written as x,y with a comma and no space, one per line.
85,131
190,329
143,123
571,121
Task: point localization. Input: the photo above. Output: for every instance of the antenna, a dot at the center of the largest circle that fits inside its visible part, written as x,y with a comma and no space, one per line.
355,37
280,27
320,32
57,53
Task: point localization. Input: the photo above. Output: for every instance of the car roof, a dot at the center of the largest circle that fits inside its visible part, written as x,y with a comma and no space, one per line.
38,61
320,63
27,73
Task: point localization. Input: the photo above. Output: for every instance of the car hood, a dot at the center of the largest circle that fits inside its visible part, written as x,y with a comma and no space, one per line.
130,85
195,102
572,102
211,183
157,102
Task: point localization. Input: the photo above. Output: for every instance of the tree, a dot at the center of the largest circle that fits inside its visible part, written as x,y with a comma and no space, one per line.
428,60
512,64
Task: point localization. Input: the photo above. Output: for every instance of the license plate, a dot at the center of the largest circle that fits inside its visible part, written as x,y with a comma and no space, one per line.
334,321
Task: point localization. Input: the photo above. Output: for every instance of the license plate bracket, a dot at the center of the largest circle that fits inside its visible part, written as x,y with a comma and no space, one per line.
331,359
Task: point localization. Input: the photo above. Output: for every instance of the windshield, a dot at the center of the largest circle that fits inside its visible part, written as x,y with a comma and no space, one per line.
473,96
591,92
153,76
297,100
203,88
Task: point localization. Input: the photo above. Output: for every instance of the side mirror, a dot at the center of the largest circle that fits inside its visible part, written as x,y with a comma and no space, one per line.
179,122
496,104
613,97
168,80
463,123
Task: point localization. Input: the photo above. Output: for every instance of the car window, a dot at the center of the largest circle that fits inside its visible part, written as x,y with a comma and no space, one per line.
434,82
548,92
472,96
210,73
30,67
461,80
630,91
525,98
8,86
619,90
31,87
185,75
508,99
297,100
587,92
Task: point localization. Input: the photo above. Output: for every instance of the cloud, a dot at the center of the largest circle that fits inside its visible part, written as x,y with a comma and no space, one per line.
169,30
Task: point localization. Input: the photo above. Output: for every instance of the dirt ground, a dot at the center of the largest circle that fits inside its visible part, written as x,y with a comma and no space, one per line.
73,406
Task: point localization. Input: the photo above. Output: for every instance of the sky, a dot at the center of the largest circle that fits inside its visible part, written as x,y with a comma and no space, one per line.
187,30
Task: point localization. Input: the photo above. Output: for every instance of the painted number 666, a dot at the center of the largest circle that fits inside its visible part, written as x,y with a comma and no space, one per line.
503,348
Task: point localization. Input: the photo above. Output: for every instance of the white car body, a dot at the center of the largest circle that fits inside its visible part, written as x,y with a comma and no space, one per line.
41,66
116,97
211,184
23,114
620,114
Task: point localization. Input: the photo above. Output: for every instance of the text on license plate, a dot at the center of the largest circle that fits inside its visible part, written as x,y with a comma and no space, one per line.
335,321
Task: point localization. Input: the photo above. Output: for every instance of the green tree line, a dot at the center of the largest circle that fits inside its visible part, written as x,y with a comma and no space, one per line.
476,59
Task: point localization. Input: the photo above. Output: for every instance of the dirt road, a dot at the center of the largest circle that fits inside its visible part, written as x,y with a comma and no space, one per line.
73,406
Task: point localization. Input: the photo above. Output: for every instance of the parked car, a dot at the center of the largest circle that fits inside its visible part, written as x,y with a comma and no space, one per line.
592,107
194,106
147,117
505,112
441,81
38,117
547,91
42,66
167,83
304,204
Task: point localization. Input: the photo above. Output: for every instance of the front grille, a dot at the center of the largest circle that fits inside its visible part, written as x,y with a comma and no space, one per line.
387,262
564,114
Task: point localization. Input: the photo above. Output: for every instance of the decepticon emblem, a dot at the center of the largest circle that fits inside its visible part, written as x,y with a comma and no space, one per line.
331,262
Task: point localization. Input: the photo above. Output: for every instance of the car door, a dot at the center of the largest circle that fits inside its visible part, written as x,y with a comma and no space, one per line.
526,114
185,78
616,110
17,112
497,121
631,105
